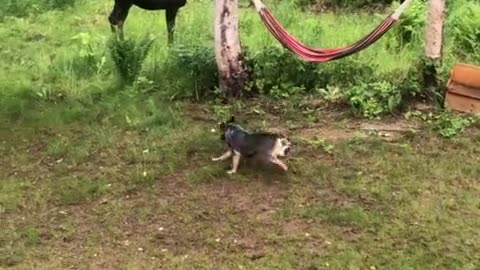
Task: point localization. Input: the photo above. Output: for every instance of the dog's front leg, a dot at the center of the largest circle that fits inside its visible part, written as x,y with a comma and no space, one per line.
235,162
224,156
279,163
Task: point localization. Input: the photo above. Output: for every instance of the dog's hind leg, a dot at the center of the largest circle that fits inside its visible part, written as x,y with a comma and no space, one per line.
224,156
235,162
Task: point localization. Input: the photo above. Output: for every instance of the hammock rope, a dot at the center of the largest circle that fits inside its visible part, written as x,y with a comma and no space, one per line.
317,55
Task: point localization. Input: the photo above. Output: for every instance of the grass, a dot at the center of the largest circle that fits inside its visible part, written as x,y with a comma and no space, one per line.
152,198
68,58
94,174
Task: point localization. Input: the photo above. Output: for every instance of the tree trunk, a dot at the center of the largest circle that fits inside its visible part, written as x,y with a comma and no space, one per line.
228,53
433,50
434,30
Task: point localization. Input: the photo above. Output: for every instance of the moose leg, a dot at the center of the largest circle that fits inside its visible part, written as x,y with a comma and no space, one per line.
171,14
118,16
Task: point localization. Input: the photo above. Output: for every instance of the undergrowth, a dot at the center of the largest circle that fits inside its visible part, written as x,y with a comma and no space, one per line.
77,63
129,54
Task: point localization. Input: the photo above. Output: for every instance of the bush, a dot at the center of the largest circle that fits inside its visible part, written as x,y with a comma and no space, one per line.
411,26
449,125
374,99
129,55
280,73
197,66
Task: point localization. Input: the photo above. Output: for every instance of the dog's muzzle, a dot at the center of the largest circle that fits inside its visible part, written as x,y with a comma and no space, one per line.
289,150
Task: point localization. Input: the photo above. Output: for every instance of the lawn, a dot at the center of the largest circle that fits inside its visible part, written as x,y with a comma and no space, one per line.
102,196
93,176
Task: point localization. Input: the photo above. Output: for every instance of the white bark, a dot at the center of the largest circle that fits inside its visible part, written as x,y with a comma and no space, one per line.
434,29
228,52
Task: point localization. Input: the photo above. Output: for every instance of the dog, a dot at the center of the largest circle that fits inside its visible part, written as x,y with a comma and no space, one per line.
241,143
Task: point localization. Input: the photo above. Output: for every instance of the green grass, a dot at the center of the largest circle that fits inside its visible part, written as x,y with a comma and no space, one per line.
64,54
98,175
149,198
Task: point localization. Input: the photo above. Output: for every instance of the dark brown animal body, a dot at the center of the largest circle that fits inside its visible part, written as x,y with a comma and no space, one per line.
121,7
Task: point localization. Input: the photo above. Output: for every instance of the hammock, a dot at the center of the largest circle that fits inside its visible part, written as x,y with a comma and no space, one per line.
324,55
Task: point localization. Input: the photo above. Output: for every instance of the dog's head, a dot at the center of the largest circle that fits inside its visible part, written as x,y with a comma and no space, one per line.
284,146
224,125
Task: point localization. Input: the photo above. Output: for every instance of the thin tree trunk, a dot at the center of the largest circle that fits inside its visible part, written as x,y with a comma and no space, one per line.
228,52
434,30
433,50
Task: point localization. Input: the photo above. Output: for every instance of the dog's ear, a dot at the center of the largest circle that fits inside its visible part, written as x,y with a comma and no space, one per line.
232,119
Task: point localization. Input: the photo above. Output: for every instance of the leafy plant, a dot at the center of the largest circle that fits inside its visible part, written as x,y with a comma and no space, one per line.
196,64
450,125
278,72
374,99
410,28
222,112
319,143
129,55
331,93
89,59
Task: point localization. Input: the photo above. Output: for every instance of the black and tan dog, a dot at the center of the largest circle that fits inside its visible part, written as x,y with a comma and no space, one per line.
241,143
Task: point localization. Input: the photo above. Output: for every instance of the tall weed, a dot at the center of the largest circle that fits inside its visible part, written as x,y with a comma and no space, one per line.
128,55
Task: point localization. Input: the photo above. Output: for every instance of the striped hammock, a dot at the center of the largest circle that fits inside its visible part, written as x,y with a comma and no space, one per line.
328,54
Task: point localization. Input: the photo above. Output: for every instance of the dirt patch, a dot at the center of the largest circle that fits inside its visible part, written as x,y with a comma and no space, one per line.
329,134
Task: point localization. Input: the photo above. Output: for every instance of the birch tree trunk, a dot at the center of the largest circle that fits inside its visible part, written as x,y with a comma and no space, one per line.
228,53
433,48
434,30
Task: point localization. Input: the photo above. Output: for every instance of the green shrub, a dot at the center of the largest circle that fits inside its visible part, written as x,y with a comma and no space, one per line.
450,125
88,55
374,99
196,65
464,30
128,55
280,73
411,26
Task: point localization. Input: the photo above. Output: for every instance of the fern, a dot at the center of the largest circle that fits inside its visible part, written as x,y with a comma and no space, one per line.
128,55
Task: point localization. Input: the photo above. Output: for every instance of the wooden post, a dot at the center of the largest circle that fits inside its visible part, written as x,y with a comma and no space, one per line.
228,51
434,30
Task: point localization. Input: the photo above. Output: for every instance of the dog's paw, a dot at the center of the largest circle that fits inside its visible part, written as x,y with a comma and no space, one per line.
214,159
231,172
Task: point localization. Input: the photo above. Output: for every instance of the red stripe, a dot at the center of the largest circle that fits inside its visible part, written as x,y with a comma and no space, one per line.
321,55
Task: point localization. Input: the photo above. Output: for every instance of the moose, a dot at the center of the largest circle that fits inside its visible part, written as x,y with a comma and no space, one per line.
121,7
